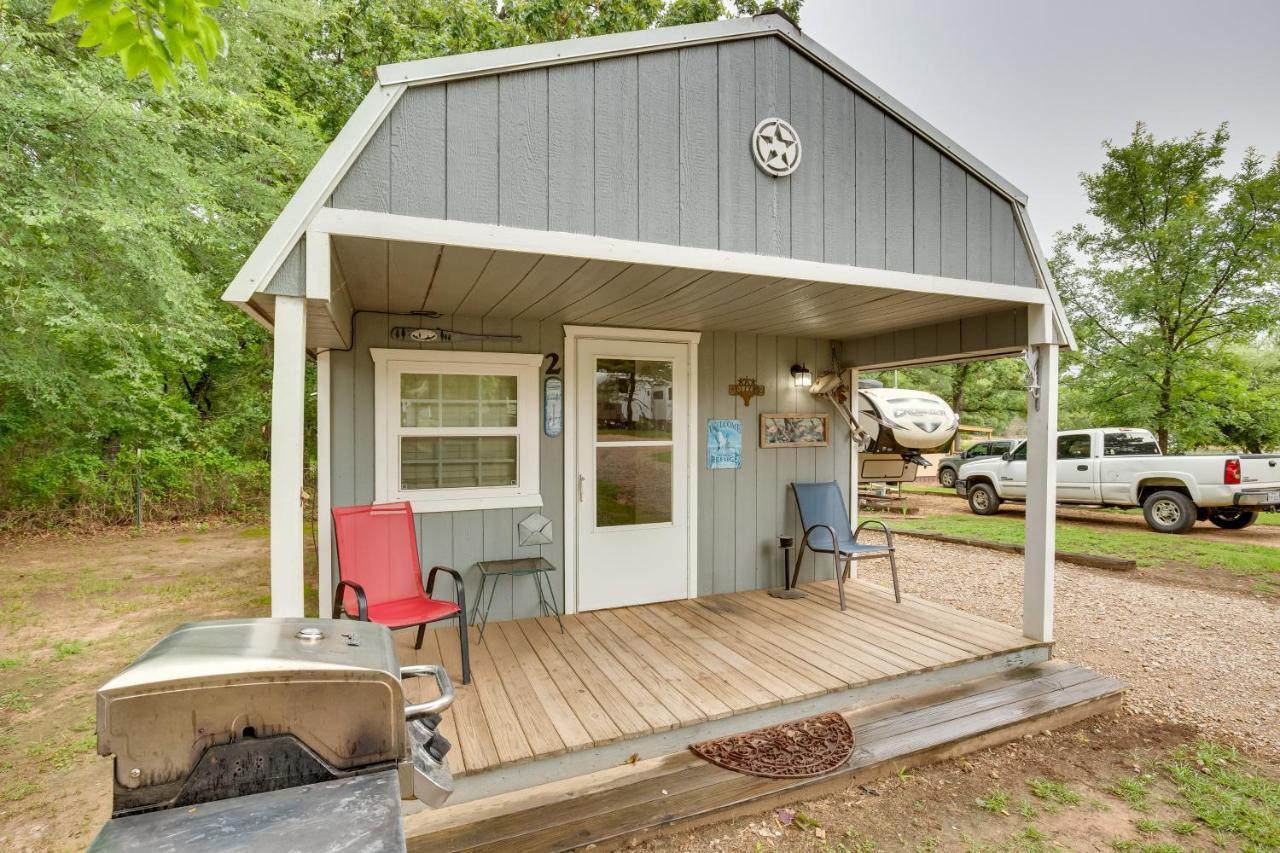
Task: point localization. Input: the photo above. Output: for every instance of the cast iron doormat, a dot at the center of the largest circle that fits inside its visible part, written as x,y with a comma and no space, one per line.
794,750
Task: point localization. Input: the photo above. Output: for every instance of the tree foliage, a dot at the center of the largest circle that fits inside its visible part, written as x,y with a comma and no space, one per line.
1181,270
126,211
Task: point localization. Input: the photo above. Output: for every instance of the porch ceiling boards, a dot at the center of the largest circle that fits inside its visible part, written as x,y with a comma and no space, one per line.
458,281
631,672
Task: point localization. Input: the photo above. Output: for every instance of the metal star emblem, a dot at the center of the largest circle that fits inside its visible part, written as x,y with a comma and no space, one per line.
776,147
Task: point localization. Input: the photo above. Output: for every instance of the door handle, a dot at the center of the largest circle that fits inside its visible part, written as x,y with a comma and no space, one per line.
582,478
1082,467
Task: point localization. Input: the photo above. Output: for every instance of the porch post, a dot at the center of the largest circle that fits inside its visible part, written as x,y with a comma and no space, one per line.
1042,481
852,384
288,384
324,495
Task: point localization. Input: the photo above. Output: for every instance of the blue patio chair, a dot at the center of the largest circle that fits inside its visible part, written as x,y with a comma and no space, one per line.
825,520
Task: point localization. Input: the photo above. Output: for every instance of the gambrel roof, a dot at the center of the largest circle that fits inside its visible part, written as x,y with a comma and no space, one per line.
898,214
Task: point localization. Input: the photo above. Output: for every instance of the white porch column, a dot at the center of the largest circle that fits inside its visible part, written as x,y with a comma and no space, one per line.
852,384
288,387
1042,483
324,495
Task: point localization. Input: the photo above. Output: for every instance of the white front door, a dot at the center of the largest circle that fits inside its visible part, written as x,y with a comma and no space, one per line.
633,471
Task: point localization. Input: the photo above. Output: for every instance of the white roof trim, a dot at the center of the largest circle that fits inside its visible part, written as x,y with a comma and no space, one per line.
503,238
319,184
442,68
1060,322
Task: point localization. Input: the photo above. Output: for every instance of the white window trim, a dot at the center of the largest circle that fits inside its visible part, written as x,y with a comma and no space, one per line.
386,424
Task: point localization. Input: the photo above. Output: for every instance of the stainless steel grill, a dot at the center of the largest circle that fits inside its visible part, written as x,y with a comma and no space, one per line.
247,708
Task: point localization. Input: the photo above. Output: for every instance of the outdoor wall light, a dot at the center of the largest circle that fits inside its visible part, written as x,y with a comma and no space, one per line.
801,376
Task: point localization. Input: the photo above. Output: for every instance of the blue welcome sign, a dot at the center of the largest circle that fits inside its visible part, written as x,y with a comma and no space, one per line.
724,444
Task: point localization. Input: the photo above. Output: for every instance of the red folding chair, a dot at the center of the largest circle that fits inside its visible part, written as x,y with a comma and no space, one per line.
381,575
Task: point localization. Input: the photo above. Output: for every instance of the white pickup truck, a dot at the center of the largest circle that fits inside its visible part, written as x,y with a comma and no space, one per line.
1124,467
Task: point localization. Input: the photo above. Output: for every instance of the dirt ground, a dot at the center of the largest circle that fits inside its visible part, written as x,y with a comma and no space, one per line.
1098,785
77,609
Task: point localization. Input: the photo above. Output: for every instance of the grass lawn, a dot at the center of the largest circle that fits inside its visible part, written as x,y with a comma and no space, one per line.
908,488
1260,563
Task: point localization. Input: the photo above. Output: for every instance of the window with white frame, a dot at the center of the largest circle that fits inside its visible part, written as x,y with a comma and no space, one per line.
456,430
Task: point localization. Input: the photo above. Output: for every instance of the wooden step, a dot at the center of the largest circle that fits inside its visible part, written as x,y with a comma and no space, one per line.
680,788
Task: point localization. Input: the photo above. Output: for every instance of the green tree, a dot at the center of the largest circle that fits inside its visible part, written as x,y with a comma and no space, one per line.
1183,262
126,211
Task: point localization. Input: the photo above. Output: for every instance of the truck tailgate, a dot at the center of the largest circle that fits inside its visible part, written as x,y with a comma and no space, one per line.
1260,471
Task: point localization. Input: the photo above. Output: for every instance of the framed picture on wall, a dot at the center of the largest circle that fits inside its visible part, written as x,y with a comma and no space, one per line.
794,429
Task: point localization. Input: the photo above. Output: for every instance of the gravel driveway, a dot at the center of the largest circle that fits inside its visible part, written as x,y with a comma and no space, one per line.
1209,659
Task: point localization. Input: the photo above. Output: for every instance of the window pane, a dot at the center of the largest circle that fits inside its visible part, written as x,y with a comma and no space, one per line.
1135,443
457,400
633,400
1075,446
633,485
458,462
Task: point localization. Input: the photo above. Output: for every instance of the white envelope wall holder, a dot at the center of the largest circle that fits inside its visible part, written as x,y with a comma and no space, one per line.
535,530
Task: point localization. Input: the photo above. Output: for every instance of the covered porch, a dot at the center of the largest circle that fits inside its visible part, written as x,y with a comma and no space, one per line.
649,679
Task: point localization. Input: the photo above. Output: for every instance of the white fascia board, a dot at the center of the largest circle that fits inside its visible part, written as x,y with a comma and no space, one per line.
504,60
311,195
1060,322
501,238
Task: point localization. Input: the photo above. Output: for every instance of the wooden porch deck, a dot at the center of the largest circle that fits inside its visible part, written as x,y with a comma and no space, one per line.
628,673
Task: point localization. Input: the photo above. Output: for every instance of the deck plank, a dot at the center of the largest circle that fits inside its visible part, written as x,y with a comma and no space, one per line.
616,705
641,668
503,721
600,725
541,732
692,666
709,705
469,719
892,616
543,686
806,677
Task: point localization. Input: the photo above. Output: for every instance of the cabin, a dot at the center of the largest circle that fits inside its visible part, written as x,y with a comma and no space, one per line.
528,279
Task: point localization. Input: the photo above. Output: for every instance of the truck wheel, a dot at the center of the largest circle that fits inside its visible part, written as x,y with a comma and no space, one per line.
983,499
947,478
1232,518
1169,512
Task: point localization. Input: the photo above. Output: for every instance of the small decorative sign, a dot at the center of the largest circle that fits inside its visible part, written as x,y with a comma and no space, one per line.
746,387
724,444
776,147
553,406
794,429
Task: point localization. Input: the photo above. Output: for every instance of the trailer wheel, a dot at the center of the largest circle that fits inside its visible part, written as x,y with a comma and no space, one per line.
1232,518
1169,512
983,499
947,478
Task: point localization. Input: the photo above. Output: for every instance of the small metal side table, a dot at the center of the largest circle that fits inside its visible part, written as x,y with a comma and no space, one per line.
495,569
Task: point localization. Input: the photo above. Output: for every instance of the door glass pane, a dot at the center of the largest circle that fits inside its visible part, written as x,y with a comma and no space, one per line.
457,400
633,400
457,462
633,485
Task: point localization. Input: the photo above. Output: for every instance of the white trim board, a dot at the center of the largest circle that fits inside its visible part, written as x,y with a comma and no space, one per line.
526,368
504,238
573,334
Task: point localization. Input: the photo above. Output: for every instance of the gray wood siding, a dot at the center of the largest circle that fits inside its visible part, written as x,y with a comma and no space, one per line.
1000,332
656,147
740,513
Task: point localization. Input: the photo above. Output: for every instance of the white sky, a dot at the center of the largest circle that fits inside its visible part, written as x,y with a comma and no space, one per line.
1032,88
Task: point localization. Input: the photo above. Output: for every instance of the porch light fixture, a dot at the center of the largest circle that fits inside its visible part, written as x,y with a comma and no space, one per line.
800,376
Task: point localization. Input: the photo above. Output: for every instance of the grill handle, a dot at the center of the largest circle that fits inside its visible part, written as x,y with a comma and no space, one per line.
435,706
